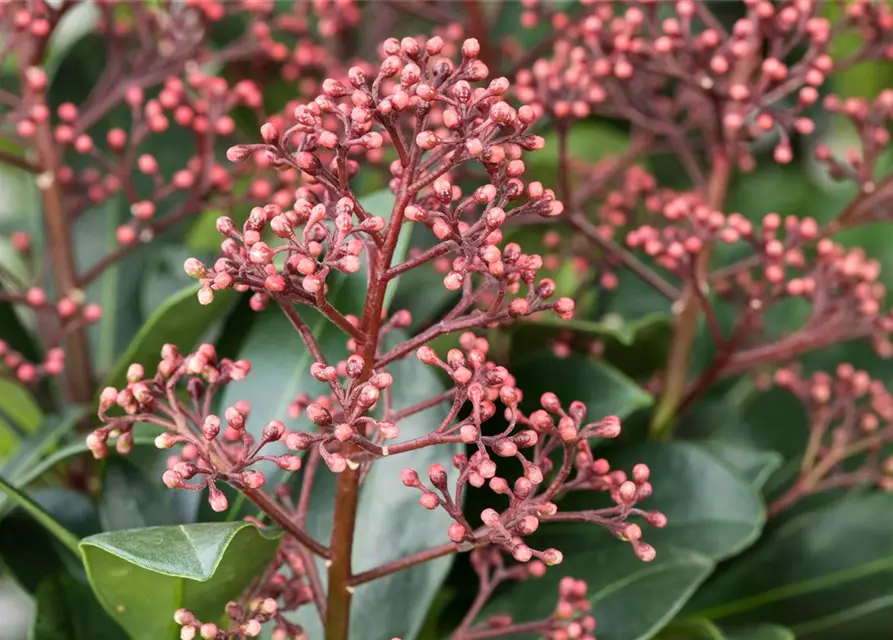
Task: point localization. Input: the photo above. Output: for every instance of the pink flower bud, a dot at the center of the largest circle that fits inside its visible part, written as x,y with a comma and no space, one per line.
253,479
641,472
522,553
205,296
172,479
409,478
165,441
490,518
644,551
551,557
36,297
343,432
252,628
627,492
298,441
288,462
426,355
427,140
274,430
269,132
457,532
656,519
608,427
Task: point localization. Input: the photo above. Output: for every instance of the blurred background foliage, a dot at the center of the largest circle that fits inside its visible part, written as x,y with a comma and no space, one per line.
822,571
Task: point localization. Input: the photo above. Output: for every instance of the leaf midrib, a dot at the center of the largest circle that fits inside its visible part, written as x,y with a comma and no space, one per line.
796,589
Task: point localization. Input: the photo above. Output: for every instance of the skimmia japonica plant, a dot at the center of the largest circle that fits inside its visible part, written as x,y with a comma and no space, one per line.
498,320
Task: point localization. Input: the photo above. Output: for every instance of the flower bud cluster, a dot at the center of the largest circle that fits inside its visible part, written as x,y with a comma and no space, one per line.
346,416
211,448
870,119
850,425
309,241
531,440
67,314
89,164
29,372
246,618
429,111
684,73
789,258
571,618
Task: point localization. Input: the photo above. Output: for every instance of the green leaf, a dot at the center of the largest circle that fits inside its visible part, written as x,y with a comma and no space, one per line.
281,366
710,508
636,348
691,629
19,414
30,552
67,610
395,605
200,567
73,26
131,498
17,404
53,428
824,574
63,535
180,319
611,326
603,389
631,599
588,141
163,275
424,308
203,234
758,632
754,466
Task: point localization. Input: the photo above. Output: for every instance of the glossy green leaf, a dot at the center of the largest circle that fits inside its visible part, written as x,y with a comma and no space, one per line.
199,566
181,319
631,599
691,629
68,610
636,348
19,415
203,234
52,429
117,290
73,26
32,553
17,404
163,275
281,365
825,574
754,465
395,605
63,535
588,141
423,308
611,326
761,414
133,497
758,632
710,508
603,389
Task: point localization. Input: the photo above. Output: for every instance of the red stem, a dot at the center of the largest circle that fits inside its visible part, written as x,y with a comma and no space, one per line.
688,310
79,368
